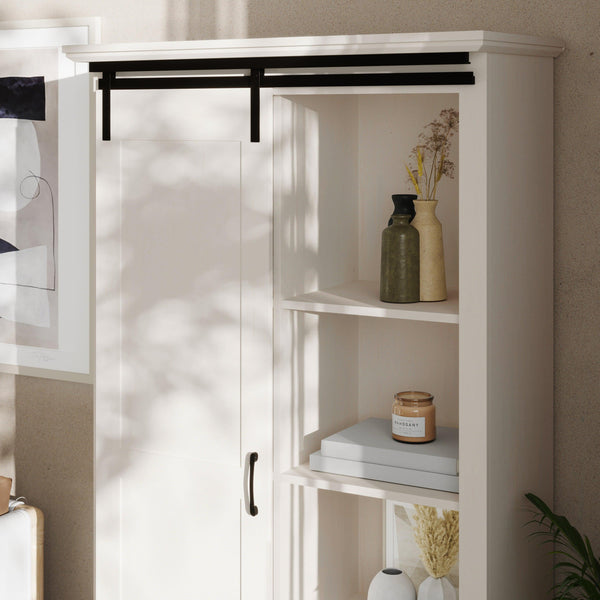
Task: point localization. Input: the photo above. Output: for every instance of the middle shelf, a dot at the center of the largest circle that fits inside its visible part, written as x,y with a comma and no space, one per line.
304,476
361,298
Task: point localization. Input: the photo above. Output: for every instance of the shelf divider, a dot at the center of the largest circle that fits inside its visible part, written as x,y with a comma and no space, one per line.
304,476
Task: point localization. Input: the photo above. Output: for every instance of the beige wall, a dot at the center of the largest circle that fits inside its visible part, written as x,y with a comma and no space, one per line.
46,426
47,442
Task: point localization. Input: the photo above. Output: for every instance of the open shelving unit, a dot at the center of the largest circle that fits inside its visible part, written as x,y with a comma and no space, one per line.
341,354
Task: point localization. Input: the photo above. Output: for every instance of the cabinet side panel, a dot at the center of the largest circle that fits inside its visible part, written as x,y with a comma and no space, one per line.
473,335
520,308
315,356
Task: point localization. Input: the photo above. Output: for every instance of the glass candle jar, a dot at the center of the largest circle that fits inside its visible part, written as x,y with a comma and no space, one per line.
413,417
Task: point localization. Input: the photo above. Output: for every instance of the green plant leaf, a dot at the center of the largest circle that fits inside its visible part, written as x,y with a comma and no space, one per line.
578,568
594,562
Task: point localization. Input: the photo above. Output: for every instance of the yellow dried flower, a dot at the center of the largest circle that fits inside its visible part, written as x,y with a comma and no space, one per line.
437,539
412,177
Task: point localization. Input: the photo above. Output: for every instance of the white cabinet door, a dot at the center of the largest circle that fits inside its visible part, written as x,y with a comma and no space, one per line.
183,380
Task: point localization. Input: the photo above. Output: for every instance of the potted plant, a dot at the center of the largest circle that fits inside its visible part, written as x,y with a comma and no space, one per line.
577,569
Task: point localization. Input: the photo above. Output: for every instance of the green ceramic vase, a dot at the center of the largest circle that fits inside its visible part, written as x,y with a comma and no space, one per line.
399,281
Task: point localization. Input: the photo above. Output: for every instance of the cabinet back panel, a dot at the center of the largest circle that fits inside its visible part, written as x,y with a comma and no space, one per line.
316,185
346,369
389,128
407,355
325,380
340,160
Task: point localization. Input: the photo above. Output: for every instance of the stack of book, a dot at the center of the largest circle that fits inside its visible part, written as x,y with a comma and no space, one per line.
368,450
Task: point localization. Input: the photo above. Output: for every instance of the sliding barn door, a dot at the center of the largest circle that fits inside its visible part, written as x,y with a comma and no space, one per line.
183,380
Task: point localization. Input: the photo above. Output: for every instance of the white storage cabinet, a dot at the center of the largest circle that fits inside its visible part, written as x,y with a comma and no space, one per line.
317,187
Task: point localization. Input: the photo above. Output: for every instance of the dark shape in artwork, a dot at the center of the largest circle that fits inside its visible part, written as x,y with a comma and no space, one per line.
6,247
22,98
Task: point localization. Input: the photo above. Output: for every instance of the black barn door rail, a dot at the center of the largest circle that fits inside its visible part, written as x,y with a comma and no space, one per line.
257,79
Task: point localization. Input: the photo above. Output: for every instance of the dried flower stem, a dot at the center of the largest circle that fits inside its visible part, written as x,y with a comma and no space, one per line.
437,539
433,148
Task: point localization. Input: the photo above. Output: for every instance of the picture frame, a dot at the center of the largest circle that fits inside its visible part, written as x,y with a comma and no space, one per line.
401,551
45,252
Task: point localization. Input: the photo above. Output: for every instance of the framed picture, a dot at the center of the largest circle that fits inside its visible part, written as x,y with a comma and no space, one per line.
401,550
45,194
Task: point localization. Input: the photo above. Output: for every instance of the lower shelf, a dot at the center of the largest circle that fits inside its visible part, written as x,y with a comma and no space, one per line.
303,475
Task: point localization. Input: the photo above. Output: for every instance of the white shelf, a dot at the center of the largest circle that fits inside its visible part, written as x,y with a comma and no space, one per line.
304,476
361,298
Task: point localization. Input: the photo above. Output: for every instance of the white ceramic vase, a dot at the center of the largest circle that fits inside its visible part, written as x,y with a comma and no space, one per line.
391,584
431,251
436,589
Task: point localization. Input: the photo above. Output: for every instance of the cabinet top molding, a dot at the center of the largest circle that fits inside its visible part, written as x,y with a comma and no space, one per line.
396,43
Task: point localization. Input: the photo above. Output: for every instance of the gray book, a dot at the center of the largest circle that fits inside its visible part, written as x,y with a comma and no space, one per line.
371,441
413,477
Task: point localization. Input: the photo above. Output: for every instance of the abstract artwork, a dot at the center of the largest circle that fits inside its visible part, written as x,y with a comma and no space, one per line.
27,208
39,220
23,98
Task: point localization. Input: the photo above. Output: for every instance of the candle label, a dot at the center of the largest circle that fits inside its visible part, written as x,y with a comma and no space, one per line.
408,426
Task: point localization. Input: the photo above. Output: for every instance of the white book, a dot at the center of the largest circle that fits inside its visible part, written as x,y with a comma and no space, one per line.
371,441
414,477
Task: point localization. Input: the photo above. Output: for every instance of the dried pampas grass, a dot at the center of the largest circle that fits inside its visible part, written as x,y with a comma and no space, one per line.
437,539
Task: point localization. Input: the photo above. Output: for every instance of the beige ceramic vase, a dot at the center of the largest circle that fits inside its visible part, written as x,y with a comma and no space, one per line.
431,252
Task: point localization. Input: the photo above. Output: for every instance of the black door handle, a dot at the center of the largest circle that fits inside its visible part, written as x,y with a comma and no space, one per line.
253,507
